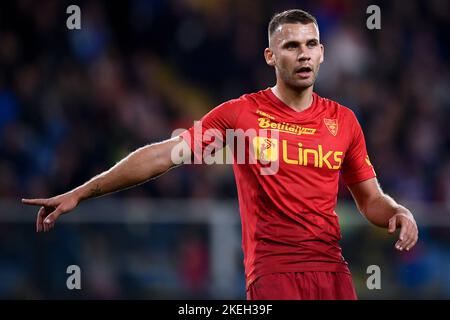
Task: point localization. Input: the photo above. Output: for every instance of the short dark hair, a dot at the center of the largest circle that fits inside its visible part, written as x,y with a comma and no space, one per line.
290,16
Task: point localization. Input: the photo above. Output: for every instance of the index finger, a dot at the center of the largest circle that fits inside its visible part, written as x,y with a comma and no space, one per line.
36,202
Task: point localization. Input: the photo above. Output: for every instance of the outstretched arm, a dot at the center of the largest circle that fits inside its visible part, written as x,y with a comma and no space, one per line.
139,166
381,210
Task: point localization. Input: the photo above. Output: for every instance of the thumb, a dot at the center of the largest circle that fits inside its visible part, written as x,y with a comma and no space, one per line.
392,224
53,216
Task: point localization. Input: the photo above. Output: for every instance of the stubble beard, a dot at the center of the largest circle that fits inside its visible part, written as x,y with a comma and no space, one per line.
300,84
292,81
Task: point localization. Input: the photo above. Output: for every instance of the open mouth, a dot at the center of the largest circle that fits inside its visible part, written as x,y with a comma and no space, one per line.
304,72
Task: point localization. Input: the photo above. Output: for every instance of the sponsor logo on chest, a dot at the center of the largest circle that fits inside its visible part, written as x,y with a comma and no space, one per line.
275,148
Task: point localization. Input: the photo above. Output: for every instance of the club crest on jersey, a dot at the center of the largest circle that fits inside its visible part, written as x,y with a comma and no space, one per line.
332,126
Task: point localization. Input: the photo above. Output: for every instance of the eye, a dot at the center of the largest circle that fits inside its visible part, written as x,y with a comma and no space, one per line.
291,45
312,43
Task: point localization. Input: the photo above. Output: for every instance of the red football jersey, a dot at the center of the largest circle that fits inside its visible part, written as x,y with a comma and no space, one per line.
288,183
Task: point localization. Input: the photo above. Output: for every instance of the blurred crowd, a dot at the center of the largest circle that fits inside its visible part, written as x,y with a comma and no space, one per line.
74,102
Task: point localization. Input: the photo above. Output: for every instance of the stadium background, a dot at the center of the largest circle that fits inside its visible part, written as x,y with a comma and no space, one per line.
74,102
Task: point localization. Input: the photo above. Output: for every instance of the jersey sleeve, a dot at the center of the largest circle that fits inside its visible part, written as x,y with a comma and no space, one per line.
210,130
357,166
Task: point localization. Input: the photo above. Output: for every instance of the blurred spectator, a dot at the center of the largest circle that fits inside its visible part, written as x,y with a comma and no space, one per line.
73,103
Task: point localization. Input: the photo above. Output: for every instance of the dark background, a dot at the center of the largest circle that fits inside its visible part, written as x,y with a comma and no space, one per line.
74,102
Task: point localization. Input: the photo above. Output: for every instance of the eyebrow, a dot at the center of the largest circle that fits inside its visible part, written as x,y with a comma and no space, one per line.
295,42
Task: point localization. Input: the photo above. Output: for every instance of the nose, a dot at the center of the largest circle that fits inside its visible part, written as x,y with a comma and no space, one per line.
303,54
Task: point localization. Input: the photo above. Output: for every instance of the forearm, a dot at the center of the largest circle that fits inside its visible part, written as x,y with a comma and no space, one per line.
139,166
381,208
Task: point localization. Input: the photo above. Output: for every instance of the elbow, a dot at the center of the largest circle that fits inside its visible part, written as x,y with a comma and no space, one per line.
162,160
162,164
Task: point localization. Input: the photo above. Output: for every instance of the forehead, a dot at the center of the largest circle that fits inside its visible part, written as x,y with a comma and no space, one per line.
295,32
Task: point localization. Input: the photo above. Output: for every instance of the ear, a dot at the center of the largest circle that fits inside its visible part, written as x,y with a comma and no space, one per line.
269,56
322,49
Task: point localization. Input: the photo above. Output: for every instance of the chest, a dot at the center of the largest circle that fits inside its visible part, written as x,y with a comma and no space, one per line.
319,142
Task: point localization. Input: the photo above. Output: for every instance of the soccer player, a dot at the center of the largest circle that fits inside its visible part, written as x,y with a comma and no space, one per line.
290,231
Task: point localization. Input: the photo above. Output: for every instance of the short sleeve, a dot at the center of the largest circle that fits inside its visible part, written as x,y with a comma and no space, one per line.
211,129
357,166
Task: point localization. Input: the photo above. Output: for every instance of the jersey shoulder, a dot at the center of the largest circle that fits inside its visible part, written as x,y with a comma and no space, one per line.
255,98
336,110
247,102
244,101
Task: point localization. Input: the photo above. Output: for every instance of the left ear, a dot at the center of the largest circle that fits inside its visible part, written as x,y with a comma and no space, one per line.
322,49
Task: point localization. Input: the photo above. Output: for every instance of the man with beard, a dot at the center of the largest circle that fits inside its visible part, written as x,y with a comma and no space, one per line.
290,231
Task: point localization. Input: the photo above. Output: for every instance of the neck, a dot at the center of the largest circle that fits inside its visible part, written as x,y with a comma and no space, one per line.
297,99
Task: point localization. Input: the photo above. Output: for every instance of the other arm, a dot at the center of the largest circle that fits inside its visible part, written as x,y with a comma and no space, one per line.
383,211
